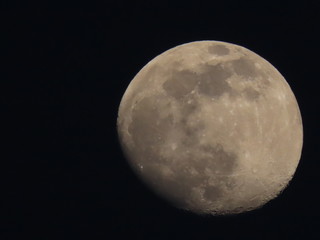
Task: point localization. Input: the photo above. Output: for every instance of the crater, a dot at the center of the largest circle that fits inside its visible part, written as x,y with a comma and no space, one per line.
212,81
180,84
218,50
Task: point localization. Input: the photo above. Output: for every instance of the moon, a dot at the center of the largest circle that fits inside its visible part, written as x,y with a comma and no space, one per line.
212,128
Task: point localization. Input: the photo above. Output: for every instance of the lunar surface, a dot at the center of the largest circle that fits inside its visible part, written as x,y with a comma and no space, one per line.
211,127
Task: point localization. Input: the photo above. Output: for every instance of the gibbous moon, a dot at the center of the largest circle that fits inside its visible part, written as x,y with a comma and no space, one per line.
211,127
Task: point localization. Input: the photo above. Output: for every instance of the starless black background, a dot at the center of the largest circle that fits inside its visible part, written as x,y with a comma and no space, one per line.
64,70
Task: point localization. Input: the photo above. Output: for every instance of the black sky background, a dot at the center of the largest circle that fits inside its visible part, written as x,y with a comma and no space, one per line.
64,70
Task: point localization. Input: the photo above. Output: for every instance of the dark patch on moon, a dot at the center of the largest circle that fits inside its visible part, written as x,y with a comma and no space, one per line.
180,84
218,160
212,193
212,81
244,67
218,50
147,128
191,133
229,182
251,94
188,107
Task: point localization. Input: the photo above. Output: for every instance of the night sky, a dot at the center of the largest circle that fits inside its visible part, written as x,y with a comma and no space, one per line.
63,72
